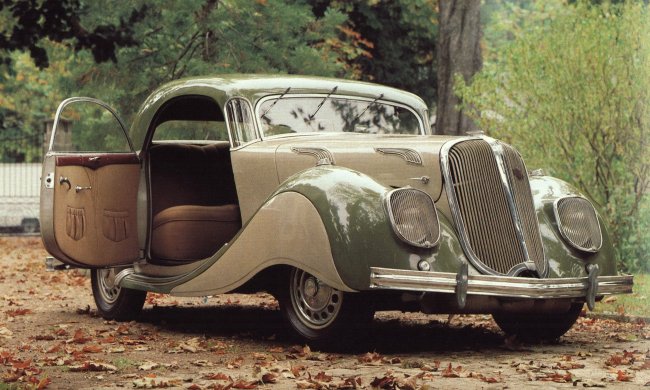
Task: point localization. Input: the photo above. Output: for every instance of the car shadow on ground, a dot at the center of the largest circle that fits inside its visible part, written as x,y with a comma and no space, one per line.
266,326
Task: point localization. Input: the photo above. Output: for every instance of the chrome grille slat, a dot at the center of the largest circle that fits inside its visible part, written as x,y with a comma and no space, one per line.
523,197
491,195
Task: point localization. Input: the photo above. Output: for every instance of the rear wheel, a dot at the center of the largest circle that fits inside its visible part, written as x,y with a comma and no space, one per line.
538,327
318,312
114,302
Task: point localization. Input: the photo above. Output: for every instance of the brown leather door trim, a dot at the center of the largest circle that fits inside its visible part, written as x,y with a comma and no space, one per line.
95,161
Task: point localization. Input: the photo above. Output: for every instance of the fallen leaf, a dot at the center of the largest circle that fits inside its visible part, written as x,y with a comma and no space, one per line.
244,384
80,337
623,376
156,383
218,376
93,366
148,366
92,349
18,312
386,382
6,333
450,372
322,377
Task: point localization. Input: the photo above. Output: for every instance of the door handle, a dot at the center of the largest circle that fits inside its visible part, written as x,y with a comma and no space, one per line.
79,188
64,180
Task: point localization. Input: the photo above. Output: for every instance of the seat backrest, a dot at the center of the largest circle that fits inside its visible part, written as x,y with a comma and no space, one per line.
184,174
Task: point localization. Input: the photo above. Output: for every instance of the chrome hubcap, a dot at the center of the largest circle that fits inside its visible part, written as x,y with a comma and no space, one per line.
107,288
315,303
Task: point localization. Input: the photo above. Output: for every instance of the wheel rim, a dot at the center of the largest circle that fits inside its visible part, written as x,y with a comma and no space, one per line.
316,304
106,283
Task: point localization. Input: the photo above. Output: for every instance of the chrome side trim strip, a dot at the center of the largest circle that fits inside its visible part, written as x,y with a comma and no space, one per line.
499,286
409,155
322,155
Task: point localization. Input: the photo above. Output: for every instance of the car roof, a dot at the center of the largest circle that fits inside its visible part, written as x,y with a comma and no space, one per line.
253,87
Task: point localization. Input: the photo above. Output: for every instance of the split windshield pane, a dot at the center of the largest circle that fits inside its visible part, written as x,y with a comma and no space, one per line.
292,115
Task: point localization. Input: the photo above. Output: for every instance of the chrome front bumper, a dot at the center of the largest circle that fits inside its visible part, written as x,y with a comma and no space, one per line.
462,284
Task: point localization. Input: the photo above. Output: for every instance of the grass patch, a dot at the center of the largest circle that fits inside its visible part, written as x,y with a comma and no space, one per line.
122,363
635,304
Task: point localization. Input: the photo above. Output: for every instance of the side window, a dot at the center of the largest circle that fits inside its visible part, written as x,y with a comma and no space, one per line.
89,126
190,118
240,122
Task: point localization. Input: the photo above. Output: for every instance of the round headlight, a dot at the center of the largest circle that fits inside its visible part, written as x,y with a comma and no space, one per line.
413,217
578,223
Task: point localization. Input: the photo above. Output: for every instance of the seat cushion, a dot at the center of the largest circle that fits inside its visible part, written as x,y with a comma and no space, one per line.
186,233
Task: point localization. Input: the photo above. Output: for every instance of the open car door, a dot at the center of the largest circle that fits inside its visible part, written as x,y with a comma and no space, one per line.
89,187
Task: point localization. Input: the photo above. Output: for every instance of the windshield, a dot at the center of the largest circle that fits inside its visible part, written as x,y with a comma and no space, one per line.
294,115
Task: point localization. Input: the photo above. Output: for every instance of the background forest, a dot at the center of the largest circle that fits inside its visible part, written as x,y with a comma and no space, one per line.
565,82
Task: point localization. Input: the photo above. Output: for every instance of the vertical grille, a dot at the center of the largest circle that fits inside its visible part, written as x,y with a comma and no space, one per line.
523,197
491,230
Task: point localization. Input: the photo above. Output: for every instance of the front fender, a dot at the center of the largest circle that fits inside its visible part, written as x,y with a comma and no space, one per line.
564,260
351,206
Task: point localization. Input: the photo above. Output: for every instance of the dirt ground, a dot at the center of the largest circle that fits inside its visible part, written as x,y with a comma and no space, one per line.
51,337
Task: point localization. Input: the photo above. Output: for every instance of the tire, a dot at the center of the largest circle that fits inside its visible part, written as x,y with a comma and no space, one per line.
113,302
30,225
538,327
317,312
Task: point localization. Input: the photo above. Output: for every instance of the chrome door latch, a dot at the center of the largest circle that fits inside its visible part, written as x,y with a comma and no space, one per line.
49,180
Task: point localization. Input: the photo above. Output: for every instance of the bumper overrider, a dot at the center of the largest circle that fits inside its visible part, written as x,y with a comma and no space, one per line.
462,284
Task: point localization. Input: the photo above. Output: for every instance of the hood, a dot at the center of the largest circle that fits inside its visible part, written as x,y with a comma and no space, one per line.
394,161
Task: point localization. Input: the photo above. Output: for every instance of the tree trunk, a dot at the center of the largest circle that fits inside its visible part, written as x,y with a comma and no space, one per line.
459,51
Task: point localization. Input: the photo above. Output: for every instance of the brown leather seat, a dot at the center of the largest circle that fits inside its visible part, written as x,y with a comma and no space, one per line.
191,232
194,201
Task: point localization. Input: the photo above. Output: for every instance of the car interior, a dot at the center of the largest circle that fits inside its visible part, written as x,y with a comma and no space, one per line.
193,199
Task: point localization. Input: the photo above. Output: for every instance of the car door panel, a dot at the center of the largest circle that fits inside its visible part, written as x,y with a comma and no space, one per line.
90,191
96,225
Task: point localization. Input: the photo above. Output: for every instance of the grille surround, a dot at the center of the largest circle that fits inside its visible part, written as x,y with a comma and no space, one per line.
578,236
491,203
413,217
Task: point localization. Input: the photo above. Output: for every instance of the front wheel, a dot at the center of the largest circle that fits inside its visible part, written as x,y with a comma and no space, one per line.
114,302
538,327
318,312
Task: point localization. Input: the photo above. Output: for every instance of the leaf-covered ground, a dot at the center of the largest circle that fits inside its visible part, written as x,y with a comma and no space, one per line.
51,337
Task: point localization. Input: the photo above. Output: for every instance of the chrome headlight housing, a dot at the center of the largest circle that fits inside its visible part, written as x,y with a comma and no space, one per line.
578,223
413,217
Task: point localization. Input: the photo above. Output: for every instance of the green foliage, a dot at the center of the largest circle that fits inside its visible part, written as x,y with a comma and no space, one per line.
398,39
27,98
573,95
26,23
190,38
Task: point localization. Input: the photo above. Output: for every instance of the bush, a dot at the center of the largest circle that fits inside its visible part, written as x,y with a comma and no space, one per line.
572,94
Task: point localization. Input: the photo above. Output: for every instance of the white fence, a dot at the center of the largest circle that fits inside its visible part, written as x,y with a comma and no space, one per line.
19,196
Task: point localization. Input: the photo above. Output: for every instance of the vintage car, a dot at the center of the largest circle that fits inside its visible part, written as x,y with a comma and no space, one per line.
333,195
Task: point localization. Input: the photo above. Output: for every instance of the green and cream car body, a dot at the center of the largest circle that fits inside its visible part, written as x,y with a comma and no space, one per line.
331,194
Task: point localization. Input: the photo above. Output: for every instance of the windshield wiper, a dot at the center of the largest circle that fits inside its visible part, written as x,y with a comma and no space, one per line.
312,116
381,95
275,101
